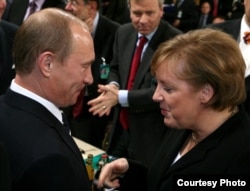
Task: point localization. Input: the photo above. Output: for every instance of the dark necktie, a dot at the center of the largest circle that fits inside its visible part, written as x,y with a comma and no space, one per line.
32,6
65,122
134,67
246,37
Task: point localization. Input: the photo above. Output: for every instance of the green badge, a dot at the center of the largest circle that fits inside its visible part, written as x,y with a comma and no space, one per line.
104,69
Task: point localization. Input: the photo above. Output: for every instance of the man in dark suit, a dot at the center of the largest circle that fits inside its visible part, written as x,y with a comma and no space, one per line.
7,34
229,9
86,126
17,12
146,128
184,15
205,17
53,59
7,72
116,10
236,29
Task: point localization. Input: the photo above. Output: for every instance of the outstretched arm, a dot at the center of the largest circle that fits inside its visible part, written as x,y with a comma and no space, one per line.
102,104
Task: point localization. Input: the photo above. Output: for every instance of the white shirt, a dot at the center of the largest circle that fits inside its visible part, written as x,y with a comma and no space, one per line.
95,22
123,94
39,4
47,104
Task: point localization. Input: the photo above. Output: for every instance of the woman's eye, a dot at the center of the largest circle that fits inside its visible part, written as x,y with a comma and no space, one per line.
169,90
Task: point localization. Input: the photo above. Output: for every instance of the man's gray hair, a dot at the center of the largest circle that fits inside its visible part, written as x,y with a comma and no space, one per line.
161,2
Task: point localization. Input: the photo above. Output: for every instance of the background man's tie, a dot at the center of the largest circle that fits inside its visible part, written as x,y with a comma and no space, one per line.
134,67
32,6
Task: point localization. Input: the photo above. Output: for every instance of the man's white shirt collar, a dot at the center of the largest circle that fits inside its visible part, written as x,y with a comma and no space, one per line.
47,104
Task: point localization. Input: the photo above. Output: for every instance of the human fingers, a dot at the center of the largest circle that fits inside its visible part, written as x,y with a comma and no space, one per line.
107,178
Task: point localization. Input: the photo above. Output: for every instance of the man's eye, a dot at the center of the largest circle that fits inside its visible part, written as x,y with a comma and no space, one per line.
138,14
150,13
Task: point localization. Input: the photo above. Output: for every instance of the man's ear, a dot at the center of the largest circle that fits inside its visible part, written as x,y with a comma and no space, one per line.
92,5
45,62
207,92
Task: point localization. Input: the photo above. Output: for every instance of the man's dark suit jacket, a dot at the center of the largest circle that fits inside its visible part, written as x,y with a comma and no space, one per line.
94,126
208,21
146,126
7,73
187,13
225,152
103,44
43,156
18,9
232,27
4,169
224,7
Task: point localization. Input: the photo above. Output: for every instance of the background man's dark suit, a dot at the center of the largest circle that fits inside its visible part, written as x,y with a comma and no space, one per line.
146,127
18,8
225,8
93,128
232,27
51,154
7,73
187,13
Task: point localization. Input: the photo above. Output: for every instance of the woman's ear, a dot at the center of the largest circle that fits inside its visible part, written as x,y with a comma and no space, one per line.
45,62
207,92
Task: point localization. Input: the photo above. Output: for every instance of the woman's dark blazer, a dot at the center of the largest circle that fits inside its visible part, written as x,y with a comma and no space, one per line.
224,153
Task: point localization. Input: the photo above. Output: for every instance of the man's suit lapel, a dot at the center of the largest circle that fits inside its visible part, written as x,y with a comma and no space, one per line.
3,59
18,10
2,49
67,139
53,3
128,52
100,34
234,29
144,66
21,102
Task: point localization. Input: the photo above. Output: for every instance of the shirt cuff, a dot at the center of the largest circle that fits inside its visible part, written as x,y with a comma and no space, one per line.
123,98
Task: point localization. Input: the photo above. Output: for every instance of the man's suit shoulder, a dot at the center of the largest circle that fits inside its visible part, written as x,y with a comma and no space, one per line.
127,27
228,23
230,26
167,29
54,3
108,22
8,27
